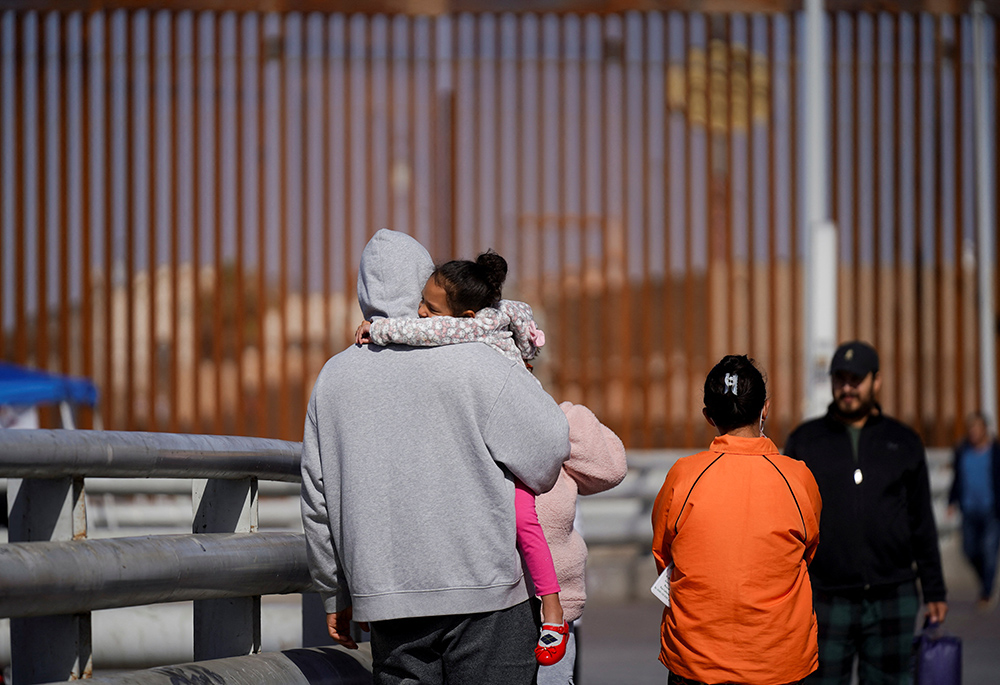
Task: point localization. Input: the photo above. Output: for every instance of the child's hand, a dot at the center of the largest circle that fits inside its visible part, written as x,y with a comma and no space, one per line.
362,335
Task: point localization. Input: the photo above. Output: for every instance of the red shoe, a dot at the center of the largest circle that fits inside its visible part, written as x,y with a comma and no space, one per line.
552,643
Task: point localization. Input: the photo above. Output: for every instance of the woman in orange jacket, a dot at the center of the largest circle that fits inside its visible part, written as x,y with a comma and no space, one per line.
738,524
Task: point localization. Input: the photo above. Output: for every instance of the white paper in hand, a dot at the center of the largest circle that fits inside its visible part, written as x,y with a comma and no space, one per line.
661,588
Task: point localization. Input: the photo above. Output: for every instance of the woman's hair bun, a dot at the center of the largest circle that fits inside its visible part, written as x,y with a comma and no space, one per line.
735,392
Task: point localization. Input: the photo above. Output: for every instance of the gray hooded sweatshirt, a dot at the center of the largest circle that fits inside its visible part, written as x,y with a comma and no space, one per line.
407,458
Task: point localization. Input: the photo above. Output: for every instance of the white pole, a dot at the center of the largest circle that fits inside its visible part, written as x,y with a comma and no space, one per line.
984,219
820,301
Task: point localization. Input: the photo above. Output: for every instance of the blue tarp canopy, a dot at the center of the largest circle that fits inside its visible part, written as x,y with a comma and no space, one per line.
22,386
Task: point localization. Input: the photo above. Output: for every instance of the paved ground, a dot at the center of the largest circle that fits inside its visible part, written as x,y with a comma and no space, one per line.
619,642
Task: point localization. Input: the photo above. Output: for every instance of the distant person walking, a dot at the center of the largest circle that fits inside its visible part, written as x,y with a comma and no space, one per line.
976,491
877,523
740,524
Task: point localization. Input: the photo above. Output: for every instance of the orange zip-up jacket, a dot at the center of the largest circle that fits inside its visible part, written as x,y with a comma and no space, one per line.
740,523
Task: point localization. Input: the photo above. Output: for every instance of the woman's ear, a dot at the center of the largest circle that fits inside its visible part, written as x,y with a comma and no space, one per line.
766,410
704,412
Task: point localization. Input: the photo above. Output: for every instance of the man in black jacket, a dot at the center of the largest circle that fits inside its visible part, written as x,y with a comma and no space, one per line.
877,535
976,490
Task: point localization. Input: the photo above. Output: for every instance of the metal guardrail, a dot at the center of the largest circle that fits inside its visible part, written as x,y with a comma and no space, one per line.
120,454
175,486
52,577
290,667
45,578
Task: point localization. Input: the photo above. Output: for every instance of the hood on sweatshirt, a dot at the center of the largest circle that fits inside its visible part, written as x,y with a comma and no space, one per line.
394,268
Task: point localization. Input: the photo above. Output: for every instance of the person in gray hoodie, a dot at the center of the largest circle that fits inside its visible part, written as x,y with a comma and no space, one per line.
408,459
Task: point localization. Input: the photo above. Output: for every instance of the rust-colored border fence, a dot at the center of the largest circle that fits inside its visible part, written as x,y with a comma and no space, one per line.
184,197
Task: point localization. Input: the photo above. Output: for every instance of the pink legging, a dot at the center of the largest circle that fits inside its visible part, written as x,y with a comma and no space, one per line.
531,541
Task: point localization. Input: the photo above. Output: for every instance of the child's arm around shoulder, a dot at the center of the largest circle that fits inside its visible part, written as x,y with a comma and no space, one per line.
429,332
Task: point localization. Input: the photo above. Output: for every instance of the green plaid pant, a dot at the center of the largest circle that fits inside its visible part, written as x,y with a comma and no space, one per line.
877,627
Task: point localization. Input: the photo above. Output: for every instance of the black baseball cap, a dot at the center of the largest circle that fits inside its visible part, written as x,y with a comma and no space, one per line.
855,357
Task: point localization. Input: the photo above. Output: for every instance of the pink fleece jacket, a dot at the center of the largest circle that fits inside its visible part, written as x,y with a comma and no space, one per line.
596,463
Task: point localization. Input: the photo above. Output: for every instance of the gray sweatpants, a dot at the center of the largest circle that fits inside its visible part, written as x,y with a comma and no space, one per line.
494,648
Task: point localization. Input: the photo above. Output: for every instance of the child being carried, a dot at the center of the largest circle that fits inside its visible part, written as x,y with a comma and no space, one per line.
461,303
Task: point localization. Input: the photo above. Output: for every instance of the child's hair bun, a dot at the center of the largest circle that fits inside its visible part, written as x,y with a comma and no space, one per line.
494,270
472,285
